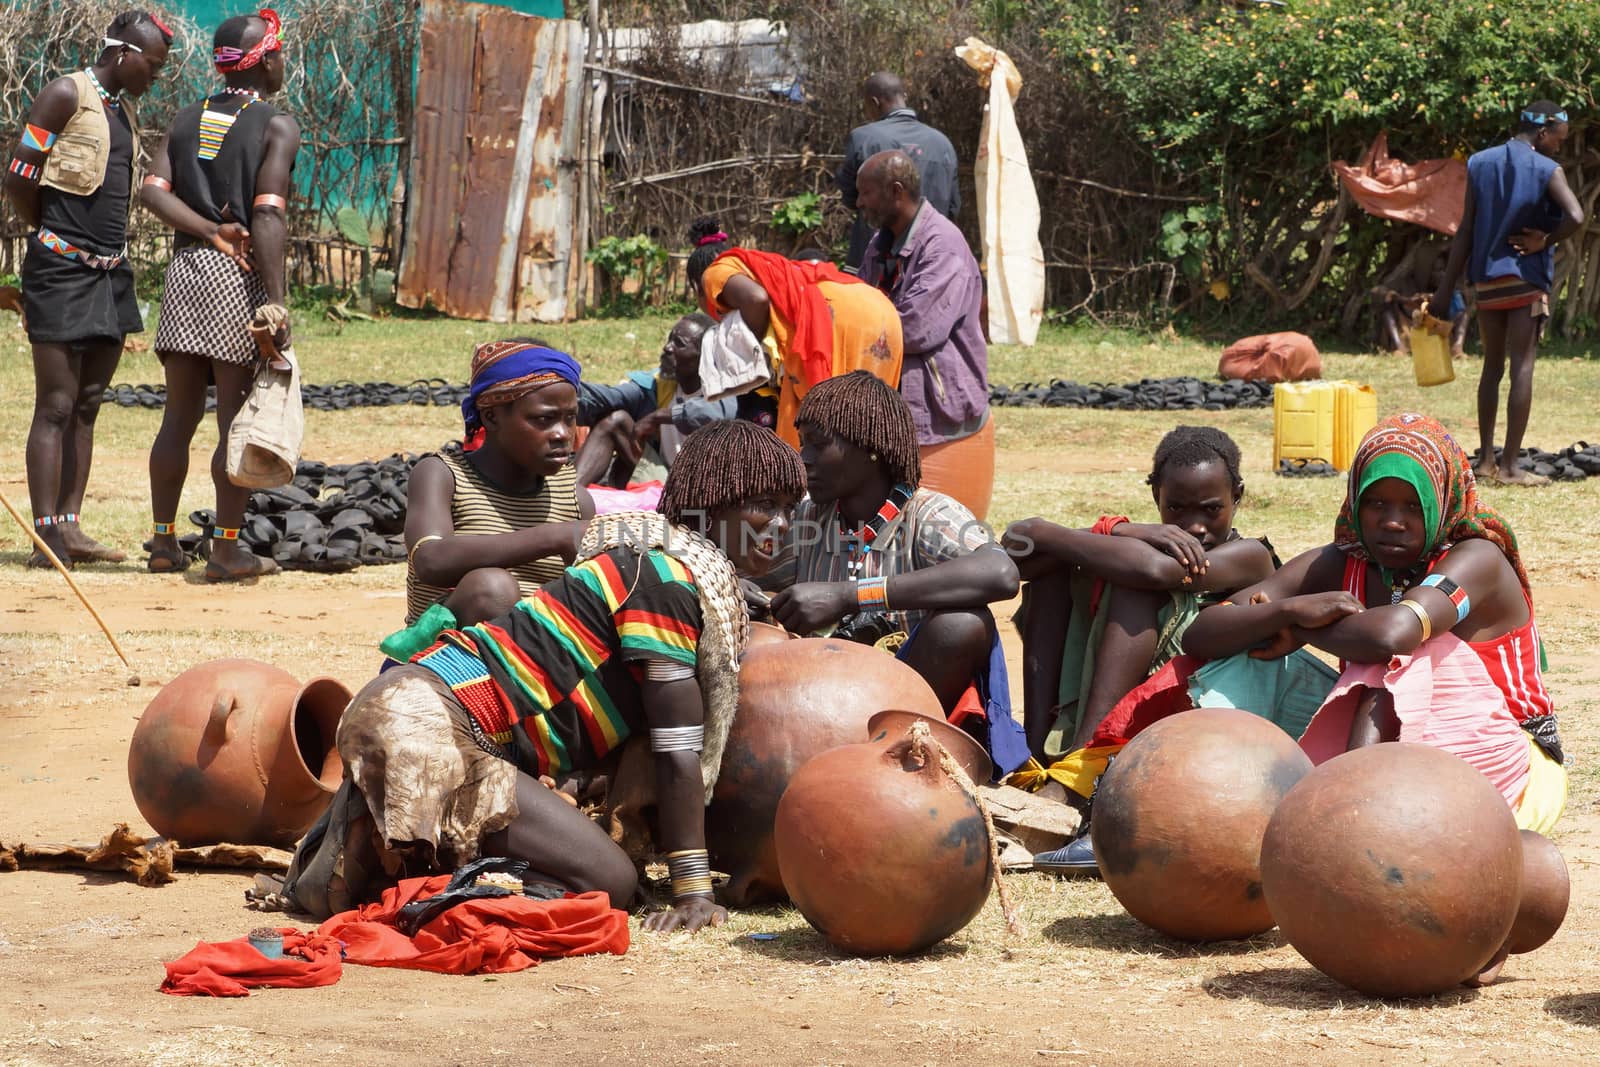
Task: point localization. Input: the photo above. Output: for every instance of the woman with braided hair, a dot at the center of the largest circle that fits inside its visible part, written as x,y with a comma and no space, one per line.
453,754
875,558
1423,597
820,321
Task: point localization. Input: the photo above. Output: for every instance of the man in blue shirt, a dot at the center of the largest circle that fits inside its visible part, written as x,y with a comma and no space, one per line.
890,125
1518,206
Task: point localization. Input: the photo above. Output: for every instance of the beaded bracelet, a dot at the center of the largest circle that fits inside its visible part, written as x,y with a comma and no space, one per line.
1458,596
690,870
872,594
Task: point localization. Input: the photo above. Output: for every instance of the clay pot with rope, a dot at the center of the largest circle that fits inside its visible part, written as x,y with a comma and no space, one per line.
797,699
884,846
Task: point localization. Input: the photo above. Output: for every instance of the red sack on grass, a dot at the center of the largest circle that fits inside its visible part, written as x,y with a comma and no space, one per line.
233,968
490,936
1271,357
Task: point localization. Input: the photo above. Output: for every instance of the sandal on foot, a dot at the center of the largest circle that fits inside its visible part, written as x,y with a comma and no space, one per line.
39,561
167,561
260,567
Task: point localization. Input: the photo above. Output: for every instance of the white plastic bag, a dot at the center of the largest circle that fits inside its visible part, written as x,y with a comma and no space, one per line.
1008,204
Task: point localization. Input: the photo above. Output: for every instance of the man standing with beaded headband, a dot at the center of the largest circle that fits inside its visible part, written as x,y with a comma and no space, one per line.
71,182
220,179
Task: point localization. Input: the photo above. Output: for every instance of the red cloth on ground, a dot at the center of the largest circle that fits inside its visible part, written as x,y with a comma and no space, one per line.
791,287
1164,693
233,968
1271,357
495,935
490,936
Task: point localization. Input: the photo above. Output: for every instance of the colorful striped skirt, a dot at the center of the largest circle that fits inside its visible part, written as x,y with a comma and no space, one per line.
1509,293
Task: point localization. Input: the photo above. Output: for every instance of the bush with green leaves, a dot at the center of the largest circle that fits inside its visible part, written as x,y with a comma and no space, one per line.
798,215
1246,108
633,270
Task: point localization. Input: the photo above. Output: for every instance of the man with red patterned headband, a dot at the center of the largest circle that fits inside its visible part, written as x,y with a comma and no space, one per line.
69,183
220,179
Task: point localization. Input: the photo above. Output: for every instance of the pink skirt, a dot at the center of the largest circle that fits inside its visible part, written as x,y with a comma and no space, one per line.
1443,697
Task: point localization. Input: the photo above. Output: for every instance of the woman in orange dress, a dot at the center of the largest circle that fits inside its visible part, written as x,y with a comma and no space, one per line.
822,321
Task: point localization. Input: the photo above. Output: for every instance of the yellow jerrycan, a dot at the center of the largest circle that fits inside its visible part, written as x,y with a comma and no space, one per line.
1430,350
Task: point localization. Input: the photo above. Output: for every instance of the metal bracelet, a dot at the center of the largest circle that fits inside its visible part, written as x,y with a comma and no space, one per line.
667,670
690,871
678,738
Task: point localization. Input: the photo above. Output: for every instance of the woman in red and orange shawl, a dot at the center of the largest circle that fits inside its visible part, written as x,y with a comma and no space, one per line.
1424,598
824,322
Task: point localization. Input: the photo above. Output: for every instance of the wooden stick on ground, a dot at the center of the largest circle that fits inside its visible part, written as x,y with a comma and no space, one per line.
38,543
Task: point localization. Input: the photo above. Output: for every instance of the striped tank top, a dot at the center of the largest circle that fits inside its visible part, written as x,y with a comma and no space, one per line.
479,507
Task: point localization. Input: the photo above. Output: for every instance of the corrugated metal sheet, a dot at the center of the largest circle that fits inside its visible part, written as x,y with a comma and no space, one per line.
490,207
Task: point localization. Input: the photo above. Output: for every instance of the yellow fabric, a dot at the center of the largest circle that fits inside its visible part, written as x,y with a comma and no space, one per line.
1078,771
1545,796
866,336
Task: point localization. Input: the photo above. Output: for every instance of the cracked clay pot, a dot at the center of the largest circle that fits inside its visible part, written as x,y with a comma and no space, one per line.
239,751
883,847
1394,869
1179,816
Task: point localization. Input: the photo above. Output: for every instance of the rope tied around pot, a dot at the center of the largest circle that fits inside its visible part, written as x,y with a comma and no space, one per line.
924,747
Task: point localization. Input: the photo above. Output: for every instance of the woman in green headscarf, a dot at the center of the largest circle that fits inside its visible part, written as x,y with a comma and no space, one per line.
1423,597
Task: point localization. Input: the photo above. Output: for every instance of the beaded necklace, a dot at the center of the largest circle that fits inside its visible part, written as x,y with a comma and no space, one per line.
860,542
233,90
105,97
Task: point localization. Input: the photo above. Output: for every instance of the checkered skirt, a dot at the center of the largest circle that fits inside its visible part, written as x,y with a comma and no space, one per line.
207,308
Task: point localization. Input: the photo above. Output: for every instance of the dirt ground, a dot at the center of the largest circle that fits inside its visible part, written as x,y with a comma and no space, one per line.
81,954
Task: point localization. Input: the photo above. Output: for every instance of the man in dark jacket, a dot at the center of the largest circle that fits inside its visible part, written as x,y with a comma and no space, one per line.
893,125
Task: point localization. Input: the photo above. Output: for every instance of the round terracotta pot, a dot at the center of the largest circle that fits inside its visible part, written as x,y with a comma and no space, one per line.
1179,816
764,633
881,848
1395,869
796,699
1546,891
239,751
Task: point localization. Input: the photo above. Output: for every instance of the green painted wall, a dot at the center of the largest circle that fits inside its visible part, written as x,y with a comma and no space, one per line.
208,13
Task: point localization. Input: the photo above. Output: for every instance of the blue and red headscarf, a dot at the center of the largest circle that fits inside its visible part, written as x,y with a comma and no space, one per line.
504,371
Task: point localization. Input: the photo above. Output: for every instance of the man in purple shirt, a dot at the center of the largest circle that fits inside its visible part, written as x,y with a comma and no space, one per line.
921,261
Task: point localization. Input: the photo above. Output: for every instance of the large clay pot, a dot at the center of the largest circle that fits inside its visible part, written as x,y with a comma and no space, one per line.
1395,869
1546,891
1179,817
236,750
764,633
796,699
882,849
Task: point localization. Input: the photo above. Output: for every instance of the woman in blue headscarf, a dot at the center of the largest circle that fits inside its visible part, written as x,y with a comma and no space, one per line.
490,521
